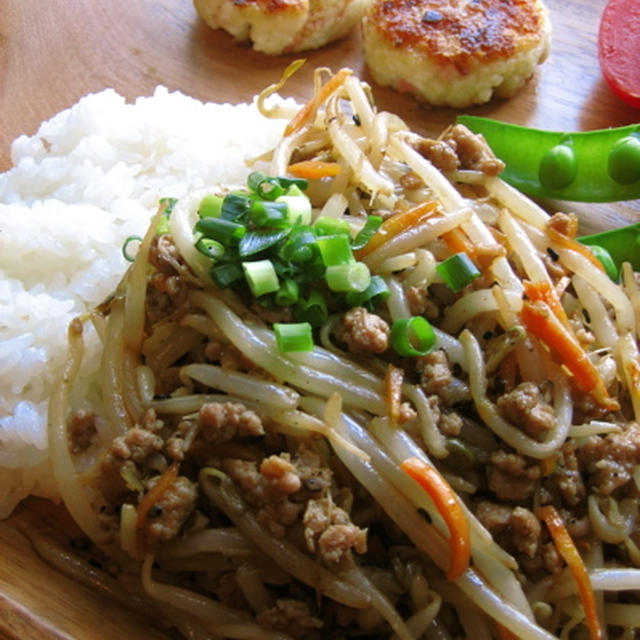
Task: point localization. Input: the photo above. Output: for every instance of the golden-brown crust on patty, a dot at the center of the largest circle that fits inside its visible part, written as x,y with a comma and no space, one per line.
462,32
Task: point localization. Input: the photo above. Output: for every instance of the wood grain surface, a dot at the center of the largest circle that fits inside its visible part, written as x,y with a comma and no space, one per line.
52,53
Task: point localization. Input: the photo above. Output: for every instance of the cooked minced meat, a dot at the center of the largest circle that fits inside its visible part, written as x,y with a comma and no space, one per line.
292,616
363,332
526,408
511,477
169,513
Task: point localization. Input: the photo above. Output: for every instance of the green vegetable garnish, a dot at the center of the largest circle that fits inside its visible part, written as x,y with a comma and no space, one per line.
457,271
591,166
293,336
412,337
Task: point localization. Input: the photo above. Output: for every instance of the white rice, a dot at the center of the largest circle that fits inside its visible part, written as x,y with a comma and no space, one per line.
89,178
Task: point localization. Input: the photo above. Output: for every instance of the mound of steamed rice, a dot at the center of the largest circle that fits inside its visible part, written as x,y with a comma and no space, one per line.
89,178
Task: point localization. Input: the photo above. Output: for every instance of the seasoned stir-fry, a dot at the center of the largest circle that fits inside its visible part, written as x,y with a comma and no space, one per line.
373,392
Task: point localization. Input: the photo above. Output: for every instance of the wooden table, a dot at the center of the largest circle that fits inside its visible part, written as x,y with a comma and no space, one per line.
52,53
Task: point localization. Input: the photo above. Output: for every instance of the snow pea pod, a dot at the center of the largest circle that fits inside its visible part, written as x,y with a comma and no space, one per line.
590,166
618,246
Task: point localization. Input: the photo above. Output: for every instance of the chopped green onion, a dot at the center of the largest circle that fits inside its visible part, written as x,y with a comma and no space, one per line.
375,293
235,205
288,293
163,226
293,336
225,274
412,337
210,248
130,257
335,250
290,183
261,277
265,186
225,231
298,208
169,204
269,214
260,240
326,226
210,206
458,271
300,246
354,276
313,310
365,234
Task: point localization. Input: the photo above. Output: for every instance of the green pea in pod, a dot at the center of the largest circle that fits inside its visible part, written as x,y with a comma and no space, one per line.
624,160
558,166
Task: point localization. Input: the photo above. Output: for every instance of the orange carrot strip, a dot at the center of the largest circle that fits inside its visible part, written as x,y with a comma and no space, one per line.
458,242
540,321
543,291
449,507
393,386
308,111
397,223
567,549
152,496
314,169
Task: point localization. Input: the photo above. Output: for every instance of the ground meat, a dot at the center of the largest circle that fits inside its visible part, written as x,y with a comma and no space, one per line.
567,476
291,616
441,154
81,430
526,531
515,527
525,407
315,477
411,181
420,304
472,150
511,477
221,422
169,513
137,444
610,460
565,224
436,378
363,332
276,517
329,532
485,254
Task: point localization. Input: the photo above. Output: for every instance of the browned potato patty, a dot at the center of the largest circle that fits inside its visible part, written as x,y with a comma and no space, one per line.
283,26
455,52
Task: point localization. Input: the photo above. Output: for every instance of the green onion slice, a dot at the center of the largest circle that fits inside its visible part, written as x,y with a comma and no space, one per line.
210,248
235,205
265,186
260,240
343,278
313,310
288,293
210,206
261,277
374,294
327,226
225,274
293,336
126,251
269,214
412,337
458,271
224,231
365,234
335,250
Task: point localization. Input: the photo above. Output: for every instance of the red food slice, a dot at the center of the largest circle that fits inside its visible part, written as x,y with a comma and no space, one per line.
619,49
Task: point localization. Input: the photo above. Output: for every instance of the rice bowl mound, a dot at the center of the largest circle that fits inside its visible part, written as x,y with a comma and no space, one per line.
88,179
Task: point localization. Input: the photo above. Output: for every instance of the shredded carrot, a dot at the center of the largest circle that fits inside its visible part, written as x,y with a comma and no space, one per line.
314,169
151,498
543,291
567,549
458,242
308,111
449,507
540,321
393,385
396,224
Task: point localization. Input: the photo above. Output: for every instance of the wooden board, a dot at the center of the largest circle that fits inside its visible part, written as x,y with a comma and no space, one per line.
52,53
